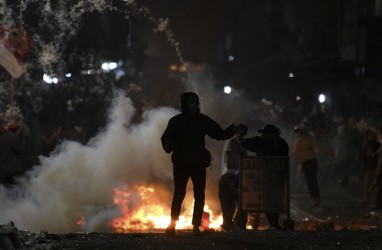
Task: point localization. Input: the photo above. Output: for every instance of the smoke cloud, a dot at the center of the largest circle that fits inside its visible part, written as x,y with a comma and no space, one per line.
78,181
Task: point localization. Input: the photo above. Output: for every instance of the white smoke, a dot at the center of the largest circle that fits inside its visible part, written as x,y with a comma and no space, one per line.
78,181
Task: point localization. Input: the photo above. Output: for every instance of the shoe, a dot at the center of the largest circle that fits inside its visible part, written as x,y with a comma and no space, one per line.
170,230
227,227
196,231
274,227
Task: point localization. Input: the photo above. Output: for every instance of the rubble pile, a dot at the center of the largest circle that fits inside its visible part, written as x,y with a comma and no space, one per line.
12,238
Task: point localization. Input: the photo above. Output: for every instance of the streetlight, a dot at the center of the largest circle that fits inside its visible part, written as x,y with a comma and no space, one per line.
108,66
227,90
321,98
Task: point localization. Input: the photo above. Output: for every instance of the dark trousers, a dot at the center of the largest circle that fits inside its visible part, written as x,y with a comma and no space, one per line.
273,219
228,200
198,178
378,201
310,170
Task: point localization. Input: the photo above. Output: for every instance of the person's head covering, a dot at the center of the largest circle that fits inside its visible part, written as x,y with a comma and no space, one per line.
184,100
269,129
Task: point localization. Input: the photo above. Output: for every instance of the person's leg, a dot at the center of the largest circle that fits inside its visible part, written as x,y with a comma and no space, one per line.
370,176
198,177
241,219
273,219
227,202
378,201
310,170
180,184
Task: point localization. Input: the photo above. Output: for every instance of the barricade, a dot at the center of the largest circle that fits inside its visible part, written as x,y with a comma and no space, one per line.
265,186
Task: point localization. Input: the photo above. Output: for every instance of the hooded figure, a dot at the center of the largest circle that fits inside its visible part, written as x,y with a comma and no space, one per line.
184,137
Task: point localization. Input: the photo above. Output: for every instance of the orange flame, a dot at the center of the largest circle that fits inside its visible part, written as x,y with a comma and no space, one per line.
141,211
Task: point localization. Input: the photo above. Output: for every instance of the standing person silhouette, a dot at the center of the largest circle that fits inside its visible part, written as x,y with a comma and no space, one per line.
305,152
184,137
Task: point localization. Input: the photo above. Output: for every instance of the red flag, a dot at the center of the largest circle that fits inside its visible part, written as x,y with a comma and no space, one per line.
14,46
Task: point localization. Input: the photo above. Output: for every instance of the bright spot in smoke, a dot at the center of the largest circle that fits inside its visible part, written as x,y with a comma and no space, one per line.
227,90
291,75
298,98
68,75
231,58
321,98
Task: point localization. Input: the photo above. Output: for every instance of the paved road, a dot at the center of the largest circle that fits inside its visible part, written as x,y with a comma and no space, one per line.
339,223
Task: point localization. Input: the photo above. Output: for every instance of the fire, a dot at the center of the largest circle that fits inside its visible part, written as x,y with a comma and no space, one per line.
141,210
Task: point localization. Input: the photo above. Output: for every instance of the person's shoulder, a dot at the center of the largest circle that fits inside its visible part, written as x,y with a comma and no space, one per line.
204,116
283,140
176,117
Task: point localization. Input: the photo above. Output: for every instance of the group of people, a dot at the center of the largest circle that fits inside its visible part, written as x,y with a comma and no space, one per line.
184,137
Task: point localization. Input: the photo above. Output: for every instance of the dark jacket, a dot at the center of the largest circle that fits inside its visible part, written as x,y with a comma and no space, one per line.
10,151
185,138
278,147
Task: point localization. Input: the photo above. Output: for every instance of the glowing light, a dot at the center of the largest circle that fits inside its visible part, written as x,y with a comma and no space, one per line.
47,78
183,68
173,67
105,66
227,90
68,75
108,66
231,58
290,75
298,98
321,98
148,213
50,79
